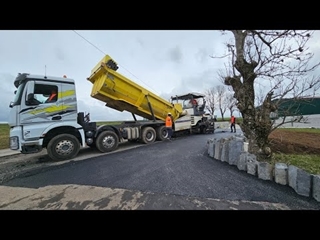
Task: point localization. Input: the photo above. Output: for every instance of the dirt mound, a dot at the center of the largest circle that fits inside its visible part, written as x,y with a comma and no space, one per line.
289,142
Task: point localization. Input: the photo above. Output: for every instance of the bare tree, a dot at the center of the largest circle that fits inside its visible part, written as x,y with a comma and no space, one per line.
230,102
281,62
221,89
211,100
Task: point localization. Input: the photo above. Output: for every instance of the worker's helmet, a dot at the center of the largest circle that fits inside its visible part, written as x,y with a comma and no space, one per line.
169,113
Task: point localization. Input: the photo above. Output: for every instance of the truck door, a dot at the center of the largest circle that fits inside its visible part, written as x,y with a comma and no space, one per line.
37,109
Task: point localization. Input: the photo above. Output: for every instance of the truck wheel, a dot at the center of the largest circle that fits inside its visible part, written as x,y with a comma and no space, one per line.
63,147
107,141
148,135
162,133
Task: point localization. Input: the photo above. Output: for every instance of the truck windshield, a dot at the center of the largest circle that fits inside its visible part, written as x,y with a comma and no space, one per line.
17,98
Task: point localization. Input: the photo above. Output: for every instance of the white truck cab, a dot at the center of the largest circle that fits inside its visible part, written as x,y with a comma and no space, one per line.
32,116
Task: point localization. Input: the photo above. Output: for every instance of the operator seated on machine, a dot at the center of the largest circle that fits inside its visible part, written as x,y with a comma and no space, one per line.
192,103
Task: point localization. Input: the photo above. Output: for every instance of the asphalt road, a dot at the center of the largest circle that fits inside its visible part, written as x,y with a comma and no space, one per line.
164,175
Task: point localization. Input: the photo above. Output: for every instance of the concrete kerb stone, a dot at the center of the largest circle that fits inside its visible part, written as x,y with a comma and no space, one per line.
252,166
217,152
225,150
299,180
265,171
281,173
316,187
303,183
242,163
211,147
236,147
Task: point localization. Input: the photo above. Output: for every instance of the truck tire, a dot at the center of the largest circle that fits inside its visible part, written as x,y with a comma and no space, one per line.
107,141
63,147
148,135
162,133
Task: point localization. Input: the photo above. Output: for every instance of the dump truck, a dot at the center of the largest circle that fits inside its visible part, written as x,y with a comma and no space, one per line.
36,123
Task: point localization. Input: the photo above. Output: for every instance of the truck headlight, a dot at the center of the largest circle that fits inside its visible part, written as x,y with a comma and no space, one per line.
14,143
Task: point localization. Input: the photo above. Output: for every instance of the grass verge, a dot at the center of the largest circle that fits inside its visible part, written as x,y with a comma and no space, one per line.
308,162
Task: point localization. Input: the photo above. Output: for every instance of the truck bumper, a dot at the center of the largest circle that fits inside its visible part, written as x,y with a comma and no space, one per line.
18,143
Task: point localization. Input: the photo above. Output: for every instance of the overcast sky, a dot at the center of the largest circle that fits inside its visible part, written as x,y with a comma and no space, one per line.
165,62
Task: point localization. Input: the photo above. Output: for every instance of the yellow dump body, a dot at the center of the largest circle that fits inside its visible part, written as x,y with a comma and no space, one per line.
120,93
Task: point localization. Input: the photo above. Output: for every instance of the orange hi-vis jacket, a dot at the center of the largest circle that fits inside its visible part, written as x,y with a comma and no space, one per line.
52,96
232,119
168,122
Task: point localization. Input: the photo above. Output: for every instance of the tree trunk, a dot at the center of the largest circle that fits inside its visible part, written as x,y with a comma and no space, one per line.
257,133
256,124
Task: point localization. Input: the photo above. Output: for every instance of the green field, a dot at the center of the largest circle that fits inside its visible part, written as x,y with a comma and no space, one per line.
4,136
307,162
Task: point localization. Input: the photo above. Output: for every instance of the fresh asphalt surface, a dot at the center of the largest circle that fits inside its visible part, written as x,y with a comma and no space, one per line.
180,167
